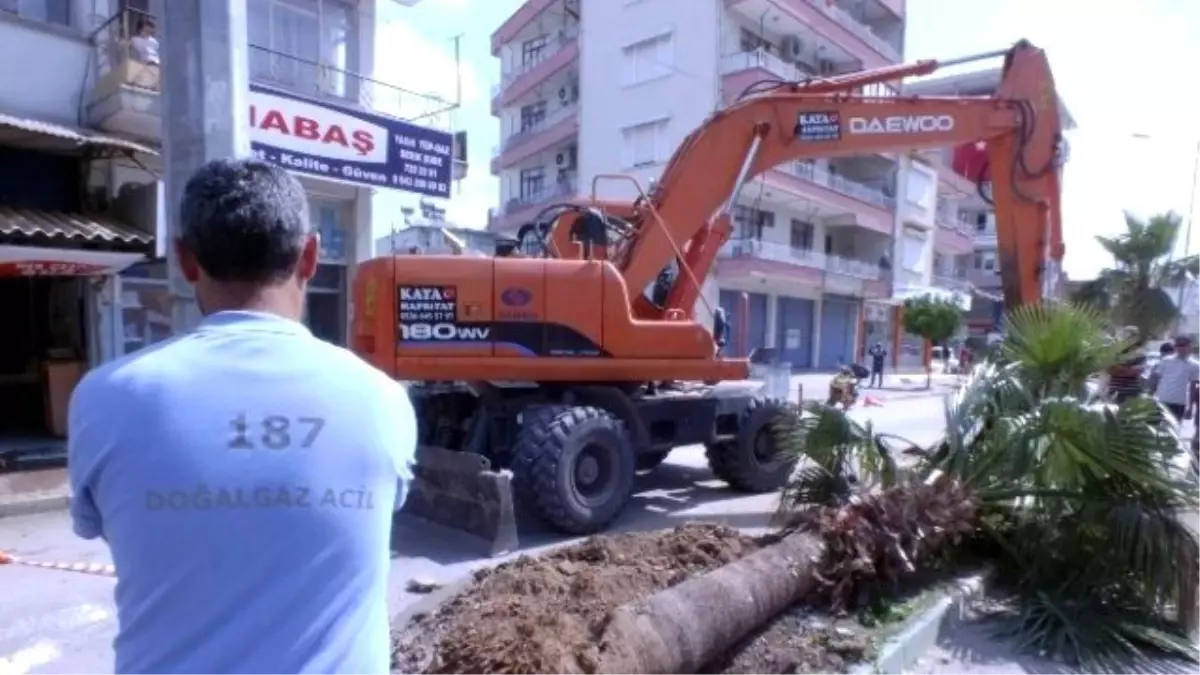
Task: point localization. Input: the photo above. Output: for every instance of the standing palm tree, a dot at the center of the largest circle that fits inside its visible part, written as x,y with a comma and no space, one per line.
1133,293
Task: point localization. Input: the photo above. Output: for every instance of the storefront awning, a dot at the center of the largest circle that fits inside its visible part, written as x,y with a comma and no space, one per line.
68,226
38,135
37,261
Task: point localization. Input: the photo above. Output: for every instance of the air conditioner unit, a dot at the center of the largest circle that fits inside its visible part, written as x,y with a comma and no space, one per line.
565,159
791,47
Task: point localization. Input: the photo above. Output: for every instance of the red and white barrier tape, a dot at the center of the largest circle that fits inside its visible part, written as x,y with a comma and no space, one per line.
95,569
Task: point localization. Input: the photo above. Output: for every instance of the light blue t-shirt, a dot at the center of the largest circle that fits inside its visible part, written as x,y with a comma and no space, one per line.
244,476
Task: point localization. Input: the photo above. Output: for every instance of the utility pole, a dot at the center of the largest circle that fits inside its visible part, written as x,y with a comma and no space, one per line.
205,99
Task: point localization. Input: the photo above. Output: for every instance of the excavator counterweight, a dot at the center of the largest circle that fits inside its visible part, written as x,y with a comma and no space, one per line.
558,369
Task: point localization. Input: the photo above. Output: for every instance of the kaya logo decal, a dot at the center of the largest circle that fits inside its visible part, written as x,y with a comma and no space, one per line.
430,314
902,124
348,145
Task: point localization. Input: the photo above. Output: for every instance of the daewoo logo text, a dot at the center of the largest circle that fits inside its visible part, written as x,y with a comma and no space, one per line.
902,124
298,126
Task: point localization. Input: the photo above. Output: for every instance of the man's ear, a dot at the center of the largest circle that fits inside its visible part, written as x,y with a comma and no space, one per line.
310,257
187,262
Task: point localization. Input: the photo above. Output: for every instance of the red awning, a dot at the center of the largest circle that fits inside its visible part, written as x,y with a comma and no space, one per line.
36,261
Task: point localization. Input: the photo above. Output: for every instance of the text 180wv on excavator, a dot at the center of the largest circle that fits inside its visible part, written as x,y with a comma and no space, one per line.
539,370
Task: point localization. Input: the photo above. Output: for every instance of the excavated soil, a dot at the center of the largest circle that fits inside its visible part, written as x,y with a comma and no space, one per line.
544,614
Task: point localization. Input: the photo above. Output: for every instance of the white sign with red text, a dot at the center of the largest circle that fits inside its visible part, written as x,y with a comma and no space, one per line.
351,145
35,261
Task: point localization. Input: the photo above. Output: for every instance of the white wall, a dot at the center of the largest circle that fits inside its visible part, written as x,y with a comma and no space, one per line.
683,97
46,68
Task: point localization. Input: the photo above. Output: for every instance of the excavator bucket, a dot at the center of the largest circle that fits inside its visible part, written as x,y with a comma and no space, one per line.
459,490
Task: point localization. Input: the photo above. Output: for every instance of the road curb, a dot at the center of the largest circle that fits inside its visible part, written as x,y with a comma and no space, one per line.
34,505
922,630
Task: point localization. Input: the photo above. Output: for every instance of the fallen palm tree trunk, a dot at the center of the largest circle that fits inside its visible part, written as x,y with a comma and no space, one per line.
680,629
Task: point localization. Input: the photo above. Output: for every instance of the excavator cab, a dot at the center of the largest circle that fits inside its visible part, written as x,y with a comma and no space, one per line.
536,376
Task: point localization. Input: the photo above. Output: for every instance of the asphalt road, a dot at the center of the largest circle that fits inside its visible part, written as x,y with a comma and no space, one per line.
63,622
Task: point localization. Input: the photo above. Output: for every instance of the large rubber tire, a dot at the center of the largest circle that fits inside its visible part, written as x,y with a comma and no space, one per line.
751,461
574,466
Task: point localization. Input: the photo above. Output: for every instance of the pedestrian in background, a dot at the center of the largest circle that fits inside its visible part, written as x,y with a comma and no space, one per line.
1173,378
244,474
877,354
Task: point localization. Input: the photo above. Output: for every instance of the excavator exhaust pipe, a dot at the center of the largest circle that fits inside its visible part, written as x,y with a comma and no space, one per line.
459,490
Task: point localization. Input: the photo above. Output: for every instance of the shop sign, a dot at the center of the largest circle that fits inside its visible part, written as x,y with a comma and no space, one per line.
353,146
31,261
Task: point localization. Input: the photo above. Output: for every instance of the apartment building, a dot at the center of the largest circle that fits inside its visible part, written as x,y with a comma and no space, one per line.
964,208
595,87
82,211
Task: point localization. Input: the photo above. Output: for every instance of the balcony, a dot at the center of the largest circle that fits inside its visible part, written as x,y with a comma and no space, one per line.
743,69
870,207
547,133
126,97
522,209
752,257
559,54
954,281
525,14
829,22
953,235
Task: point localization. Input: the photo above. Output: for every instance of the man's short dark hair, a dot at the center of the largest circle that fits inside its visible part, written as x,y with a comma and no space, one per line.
245,221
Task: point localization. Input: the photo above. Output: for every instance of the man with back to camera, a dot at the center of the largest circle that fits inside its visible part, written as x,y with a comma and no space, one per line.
244,474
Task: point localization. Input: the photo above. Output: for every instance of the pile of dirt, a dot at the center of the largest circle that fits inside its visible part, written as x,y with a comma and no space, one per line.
545,614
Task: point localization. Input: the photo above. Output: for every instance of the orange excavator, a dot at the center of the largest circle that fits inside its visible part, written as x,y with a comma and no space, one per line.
539,375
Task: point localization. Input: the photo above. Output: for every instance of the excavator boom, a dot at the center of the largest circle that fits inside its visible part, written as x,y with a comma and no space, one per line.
686,216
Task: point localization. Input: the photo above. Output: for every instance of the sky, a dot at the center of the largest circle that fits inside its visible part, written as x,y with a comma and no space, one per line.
1128,72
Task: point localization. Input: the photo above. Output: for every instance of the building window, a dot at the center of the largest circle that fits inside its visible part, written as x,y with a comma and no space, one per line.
303,45
532,115
534,51
649,59
645,144
46,11
918,189
325,304
802,235
939,264
985,260
145,306
329,219
533,183
751,223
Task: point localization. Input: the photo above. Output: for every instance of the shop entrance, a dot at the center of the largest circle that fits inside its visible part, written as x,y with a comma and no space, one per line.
43,354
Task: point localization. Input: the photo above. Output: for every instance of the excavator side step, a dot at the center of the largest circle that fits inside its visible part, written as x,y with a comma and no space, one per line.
459,490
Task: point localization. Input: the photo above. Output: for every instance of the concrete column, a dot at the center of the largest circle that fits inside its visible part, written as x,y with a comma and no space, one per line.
772,327
205,81
816,338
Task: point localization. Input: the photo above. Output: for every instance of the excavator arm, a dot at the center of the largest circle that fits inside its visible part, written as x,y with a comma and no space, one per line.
687,216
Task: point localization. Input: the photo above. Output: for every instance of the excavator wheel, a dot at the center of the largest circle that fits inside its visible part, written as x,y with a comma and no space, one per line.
574,465
650,460
751,461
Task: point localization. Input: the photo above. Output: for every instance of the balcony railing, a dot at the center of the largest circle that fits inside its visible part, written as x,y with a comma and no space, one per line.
564,39
851,267
782,253
766,250
771,63
519,138
119,59
562,189
952,220
850,188
956,281
863,32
